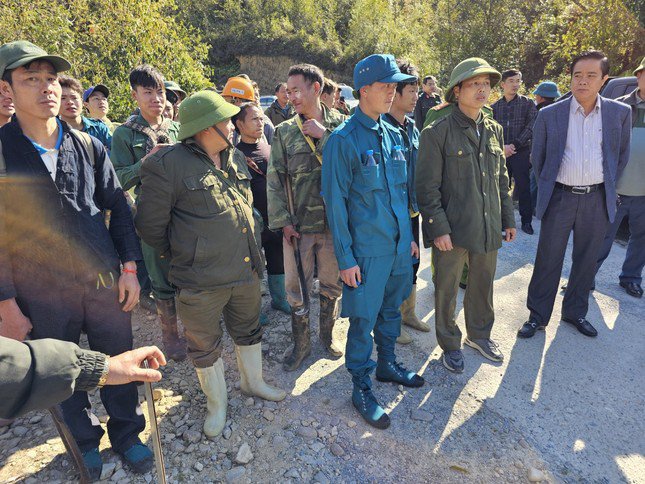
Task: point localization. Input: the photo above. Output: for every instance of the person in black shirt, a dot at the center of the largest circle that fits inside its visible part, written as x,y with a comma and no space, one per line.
249,123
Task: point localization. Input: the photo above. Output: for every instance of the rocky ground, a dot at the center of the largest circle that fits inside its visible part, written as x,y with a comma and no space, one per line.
558,410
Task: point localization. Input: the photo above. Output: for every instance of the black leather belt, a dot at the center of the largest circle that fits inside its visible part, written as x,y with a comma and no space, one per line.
580,190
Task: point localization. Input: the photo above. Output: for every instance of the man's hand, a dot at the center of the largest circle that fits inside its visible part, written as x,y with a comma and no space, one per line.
126,367
155,149
510,234
288,232
443,243
414,250
509,150
313,128
352,276
128,283
13,324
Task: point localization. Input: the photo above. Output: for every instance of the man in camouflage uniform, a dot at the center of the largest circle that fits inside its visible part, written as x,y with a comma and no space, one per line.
280,110
296,156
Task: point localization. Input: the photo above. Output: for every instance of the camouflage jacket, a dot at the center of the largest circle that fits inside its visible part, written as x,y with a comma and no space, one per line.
276,114
291,156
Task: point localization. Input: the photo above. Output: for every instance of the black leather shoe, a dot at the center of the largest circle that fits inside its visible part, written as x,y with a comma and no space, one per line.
529,328
583,326
632,289
463,286
527,228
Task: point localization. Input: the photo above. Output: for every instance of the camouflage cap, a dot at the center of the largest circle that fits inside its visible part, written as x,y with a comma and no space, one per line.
201,111
472,67
20,52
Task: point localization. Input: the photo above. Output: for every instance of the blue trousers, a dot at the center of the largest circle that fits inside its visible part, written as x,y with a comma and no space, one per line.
374,306
634,208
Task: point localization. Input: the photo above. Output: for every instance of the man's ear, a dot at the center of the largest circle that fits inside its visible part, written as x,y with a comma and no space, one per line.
6,90
133,93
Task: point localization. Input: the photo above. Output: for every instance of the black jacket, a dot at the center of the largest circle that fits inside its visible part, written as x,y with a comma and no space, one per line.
54,232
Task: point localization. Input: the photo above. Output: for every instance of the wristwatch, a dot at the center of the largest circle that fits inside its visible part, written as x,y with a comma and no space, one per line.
104,373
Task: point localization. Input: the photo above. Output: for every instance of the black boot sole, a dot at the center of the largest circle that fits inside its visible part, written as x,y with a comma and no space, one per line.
382,423
409,385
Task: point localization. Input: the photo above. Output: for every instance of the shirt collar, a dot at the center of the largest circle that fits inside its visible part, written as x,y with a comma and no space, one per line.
464,121
577,108
59,140
369,123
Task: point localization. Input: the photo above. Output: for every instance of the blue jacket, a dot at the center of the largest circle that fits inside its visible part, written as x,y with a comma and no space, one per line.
99,130
550,137
367,206
53,232
410,135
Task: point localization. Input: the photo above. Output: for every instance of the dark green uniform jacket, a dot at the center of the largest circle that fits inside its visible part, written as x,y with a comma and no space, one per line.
291,152
462,185
200,217
444,109
35,375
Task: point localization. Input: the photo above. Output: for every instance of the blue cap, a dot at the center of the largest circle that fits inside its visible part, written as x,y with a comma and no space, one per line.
98,88
547,89
378,68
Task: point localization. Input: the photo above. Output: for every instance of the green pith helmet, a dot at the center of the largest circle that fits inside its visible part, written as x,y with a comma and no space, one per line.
201,111
173,86
641,67
470,68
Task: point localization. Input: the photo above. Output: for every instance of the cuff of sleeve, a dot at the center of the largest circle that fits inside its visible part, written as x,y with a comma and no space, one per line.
91,364
346,261
7,292
133,255
436,226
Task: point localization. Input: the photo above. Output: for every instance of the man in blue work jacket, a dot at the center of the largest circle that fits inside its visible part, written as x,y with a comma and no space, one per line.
364,181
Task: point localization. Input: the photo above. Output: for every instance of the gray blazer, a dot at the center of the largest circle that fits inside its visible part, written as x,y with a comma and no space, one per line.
550,137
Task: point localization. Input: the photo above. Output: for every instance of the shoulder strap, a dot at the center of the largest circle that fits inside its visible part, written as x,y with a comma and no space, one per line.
86,140
308,139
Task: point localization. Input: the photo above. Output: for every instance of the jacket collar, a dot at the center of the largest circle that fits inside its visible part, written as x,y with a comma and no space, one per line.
370,123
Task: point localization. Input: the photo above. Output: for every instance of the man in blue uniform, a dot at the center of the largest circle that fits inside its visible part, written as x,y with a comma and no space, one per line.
364,181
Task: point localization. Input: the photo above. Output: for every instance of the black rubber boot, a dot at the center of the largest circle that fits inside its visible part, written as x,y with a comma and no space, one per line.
328,315
301,340
174,348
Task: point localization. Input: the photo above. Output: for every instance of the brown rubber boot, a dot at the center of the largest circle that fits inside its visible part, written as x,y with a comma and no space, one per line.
174,348
328,315
301,340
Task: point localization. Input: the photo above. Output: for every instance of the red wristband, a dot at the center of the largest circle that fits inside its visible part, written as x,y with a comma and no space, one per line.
128,271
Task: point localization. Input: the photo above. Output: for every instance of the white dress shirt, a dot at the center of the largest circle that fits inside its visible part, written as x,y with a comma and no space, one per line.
582,161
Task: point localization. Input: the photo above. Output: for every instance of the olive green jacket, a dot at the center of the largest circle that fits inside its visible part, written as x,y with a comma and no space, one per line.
201,217
35,375
128,148
461,182
290,153
276,115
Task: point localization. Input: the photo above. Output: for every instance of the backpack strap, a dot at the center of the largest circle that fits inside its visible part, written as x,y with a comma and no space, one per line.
86,141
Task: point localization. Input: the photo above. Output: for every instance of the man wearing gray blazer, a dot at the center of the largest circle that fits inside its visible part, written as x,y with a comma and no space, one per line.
580,147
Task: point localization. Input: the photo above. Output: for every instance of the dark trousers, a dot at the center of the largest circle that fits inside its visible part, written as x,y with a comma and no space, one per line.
518,166
634,209
273,252
62,313
586,216
415,233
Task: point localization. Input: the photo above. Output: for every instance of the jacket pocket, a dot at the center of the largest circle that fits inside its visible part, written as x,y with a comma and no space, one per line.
202,256
459,164
205,193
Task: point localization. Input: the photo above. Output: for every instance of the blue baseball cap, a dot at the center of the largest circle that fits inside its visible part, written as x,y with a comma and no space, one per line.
378,68
547,89
98,88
